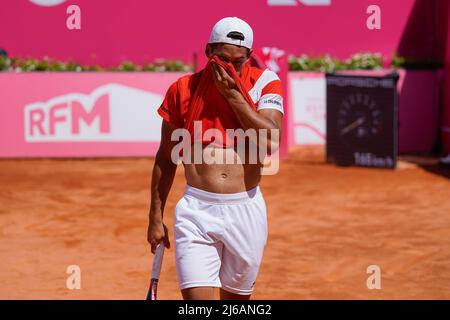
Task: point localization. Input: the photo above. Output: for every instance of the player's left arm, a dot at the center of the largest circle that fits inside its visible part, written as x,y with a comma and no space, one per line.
269,119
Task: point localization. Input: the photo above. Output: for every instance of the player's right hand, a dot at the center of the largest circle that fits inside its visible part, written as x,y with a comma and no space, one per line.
156,233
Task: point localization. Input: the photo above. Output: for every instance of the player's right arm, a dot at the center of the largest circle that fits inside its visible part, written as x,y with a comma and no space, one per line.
162,178
164,168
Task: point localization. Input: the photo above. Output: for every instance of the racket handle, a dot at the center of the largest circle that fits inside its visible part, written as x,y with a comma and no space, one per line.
157,260
156,270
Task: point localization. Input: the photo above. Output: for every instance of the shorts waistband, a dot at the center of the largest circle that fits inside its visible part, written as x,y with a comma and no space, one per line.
239,197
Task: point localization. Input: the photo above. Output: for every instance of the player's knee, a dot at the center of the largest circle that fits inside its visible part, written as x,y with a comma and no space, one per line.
198,293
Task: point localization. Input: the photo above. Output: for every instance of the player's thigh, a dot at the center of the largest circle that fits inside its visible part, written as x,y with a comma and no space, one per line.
244,246
198,293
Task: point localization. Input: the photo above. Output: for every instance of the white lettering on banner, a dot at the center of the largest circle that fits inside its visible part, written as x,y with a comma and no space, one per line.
47,3
362,82
295,2
112,112
370,160
74,20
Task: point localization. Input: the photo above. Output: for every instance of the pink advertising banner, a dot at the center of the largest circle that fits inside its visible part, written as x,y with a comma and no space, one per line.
114,114
81,115
141,30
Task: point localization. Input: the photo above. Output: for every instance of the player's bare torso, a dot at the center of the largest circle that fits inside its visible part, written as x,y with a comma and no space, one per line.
223,177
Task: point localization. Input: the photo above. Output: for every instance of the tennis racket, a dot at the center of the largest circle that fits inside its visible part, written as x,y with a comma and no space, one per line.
156,270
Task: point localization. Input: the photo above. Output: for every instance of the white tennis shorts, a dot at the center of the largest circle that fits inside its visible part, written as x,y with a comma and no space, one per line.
220,239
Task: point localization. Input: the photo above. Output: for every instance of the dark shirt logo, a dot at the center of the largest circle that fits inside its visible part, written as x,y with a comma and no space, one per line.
273,102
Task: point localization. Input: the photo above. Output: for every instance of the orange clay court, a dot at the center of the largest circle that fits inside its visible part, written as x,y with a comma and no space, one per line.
326,226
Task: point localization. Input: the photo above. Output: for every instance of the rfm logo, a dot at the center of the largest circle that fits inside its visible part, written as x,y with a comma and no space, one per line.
60,119
111,112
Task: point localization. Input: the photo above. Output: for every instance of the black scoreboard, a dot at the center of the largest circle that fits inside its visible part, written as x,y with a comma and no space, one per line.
362,125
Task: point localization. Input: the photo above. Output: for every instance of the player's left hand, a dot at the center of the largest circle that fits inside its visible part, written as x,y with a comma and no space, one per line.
224,82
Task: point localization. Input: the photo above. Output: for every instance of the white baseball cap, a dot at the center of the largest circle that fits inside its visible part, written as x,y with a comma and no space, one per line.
232,30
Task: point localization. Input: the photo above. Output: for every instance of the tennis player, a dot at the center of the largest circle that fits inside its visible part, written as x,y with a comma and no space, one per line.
220,223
